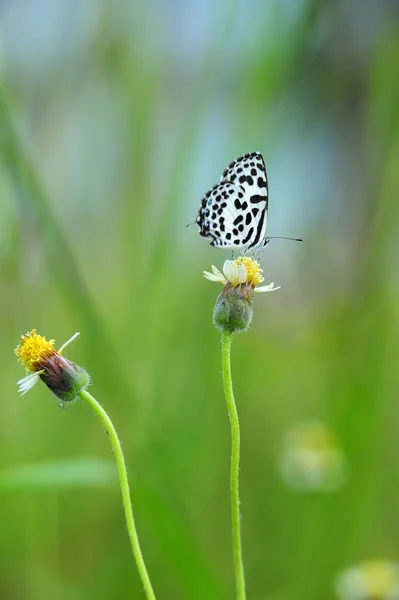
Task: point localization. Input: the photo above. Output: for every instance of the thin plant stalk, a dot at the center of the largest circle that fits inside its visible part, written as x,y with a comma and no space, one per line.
235,465
120,462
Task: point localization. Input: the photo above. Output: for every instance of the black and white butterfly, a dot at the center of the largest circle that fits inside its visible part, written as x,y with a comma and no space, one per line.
233,213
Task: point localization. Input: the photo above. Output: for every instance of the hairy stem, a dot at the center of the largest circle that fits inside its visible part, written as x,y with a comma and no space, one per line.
120,462
235,465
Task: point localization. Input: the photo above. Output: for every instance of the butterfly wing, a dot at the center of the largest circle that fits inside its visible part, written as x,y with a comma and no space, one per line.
249,171
220,217
233,213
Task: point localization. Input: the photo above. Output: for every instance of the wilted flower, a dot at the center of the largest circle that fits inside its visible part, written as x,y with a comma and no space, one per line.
370,580
311,459
42,361
233,308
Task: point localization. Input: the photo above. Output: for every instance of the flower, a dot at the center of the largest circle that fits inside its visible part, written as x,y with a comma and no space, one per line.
243,270
376,579
42,361
311,459
233,309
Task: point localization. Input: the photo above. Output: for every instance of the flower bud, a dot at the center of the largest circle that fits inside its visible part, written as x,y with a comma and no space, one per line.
233,309
64,377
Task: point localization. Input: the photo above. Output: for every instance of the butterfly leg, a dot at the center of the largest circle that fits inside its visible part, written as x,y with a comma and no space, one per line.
258,252
254,253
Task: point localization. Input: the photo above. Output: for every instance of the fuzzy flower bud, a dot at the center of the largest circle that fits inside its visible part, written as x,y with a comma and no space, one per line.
233,309
42,361
240,278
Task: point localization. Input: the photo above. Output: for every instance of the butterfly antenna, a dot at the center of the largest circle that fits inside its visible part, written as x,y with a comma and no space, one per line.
280,237
193,223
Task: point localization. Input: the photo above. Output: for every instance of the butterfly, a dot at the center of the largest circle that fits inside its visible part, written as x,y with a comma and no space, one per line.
233,214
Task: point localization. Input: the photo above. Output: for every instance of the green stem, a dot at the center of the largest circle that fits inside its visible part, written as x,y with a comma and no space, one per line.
235,465
120,462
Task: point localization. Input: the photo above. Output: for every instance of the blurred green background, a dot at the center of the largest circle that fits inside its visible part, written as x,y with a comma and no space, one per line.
115,119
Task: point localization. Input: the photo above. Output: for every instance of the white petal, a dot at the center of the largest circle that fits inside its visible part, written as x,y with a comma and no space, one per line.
220,277
25,384
75,335
267,288
216,271
228,270
242,273
213,277
234,273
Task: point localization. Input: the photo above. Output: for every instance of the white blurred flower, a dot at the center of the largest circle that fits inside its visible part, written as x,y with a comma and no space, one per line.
370,580
311,459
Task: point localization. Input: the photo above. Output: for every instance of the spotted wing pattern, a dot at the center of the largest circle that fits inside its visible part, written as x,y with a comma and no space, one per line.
233,213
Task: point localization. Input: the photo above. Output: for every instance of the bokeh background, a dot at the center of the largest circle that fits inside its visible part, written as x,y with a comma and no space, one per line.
115,119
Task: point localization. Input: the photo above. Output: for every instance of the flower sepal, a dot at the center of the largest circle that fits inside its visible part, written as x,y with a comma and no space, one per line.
64,378
233,309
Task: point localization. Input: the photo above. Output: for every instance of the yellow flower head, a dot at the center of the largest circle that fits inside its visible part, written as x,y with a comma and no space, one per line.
254,272
243,270
34,350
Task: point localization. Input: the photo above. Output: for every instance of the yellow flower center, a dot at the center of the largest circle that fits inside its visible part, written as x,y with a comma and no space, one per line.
254,272
33,350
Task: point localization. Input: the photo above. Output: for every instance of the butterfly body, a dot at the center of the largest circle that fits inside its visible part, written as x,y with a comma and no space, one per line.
233,213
